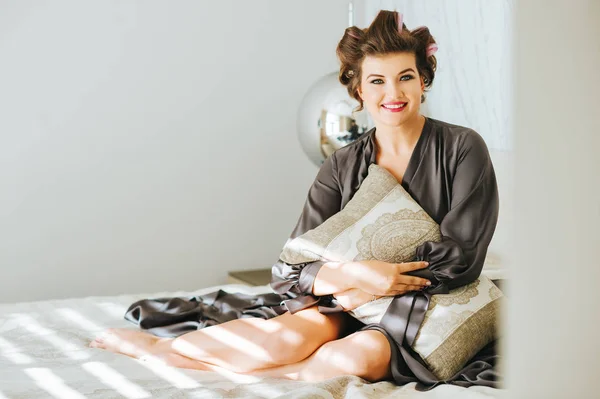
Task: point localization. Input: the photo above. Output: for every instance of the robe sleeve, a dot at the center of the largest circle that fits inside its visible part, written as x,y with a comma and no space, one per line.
469,225
323,201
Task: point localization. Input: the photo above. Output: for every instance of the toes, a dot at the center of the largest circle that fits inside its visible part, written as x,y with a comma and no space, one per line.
106,335
99,338
96,344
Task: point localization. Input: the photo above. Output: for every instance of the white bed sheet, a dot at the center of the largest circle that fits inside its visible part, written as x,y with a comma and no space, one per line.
44,354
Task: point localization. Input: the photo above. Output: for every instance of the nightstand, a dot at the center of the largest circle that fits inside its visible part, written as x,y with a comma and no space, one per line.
250,277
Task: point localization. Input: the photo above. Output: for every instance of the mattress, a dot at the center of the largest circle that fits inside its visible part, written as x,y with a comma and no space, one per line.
44,353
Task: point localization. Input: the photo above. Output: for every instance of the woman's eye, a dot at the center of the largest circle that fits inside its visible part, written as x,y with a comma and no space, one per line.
403,78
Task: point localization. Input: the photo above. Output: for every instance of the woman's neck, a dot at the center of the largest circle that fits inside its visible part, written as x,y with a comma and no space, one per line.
399,140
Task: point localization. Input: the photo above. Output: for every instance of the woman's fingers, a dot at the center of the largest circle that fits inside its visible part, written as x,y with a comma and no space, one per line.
410,266
410,280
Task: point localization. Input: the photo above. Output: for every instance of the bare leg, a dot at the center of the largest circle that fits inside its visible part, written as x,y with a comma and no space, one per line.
365,354
240,345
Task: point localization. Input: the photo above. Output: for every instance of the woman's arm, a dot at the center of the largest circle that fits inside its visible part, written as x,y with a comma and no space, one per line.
353,298
333,278
372,276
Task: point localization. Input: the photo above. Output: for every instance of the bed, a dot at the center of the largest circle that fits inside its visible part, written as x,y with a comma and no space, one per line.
44,354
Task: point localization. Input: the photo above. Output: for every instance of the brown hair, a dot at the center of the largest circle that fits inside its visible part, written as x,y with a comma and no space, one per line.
381,38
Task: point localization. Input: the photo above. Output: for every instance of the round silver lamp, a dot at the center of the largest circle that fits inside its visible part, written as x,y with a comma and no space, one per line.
326,120
326,117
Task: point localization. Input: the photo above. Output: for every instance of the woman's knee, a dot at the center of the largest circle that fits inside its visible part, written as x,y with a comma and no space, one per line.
365,354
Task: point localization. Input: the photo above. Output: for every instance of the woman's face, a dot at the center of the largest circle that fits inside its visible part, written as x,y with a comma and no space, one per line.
391,88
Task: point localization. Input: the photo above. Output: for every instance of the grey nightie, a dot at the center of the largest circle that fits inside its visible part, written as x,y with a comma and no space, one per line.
451,176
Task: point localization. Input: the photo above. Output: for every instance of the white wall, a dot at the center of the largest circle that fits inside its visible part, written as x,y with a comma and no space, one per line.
553,317
149,146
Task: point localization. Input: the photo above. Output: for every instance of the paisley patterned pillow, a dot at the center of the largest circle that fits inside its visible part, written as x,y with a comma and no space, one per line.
382,221
456,326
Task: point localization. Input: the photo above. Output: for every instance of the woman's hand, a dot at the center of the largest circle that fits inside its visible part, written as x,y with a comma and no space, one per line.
386,279
353,298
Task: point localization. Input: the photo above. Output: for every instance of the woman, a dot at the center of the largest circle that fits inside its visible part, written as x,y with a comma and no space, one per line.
445,168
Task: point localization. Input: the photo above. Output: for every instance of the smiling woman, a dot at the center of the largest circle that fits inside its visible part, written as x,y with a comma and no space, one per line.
386,92
306,332
359,49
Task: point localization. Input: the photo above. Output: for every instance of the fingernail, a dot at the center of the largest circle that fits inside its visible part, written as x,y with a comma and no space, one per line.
428,283
426,263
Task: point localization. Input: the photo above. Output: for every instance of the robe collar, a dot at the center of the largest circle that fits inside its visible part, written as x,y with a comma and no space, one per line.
370,151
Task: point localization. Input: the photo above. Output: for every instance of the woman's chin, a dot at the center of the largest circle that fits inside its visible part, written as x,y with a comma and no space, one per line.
396,120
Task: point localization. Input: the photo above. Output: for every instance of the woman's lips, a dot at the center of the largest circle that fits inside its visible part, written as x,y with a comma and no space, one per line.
398,107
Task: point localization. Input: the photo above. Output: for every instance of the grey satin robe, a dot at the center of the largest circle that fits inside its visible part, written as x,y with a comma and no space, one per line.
451,176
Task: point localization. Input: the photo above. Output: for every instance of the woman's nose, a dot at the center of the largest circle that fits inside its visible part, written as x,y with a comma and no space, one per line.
394,91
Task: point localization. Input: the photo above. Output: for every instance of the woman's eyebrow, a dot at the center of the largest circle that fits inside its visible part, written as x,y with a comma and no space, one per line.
399,73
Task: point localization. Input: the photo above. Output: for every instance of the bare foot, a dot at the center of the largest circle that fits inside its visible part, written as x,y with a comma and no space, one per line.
128,342
138,344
